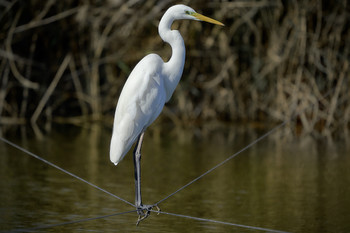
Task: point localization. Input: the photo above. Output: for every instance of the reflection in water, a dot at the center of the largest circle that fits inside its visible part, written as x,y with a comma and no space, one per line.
292,186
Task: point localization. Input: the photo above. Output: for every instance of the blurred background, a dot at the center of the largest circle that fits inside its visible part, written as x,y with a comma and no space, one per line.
67,61
63,65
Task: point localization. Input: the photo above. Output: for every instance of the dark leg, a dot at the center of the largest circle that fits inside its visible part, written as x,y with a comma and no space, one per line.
142,210
137,167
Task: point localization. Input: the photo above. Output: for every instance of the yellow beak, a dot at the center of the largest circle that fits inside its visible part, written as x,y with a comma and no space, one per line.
207,19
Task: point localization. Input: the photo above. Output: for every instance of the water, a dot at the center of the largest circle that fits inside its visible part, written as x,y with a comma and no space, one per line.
299,186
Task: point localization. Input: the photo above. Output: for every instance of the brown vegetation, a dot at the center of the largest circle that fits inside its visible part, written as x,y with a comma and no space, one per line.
273,60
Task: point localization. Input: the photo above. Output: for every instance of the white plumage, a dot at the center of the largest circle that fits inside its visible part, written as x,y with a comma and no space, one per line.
140,103
150,85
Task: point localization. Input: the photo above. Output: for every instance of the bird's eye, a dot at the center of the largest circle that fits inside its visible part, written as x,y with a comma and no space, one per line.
189,12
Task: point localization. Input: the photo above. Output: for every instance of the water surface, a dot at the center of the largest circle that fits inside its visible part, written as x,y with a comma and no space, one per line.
300,186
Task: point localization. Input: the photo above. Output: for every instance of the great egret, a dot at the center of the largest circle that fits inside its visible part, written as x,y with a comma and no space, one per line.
149,86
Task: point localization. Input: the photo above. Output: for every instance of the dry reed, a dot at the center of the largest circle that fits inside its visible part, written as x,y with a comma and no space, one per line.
273,60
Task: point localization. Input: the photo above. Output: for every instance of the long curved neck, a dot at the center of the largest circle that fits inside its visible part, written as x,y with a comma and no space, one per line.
174,67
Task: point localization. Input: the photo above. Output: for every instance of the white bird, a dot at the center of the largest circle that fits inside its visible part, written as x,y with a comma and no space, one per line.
149,86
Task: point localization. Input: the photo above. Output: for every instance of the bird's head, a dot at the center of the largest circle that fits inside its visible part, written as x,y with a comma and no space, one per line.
185,12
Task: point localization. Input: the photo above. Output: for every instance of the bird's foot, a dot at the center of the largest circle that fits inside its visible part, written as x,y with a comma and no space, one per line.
144,211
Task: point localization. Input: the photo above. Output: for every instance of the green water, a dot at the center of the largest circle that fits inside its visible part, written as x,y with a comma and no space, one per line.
301,186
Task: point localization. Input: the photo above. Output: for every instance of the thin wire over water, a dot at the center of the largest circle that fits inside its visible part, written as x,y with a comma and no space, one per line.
63,170
226,160
221,222
71,222
121,213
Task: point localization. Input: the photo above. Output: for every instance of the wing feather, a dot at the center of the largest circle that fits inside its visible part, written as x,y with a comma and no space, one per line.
140,103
